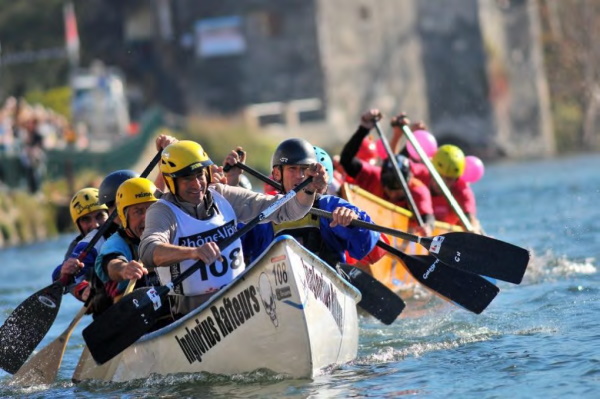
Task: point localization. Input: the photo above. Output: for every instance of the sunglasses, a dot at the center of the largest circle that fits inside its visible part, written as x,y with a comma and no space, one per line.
100,217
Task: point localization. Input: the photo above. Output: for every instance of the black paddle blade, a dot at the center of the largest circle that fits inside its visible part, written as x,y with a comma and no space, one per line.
27,325
124,323
377,299
468,290
480,254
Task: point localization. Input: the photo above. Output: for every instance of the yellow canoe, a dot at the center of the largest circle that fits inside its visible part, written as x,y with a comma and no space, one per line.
389,270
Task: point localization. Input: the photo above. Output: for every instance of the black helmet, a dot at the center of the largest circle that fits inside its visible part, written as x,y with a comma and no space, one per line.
294,152
107,192
388,176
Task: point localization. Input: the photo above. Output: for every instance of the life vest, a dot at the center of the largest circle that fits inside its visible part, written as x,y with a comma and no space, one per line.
307,232
192,232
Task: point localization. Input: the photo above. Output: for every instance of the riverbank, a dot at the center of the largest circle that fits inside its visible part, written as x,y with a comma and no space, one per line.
27,218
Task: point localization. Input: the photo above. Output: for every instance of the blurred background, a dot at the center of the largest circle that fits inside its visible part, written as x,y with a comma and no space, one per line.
86,86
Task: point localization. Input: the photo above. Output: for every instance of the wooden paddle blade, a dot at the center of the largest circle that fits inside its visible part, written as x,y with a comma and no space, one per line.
377,300
124,323
27,325
42,368
480,254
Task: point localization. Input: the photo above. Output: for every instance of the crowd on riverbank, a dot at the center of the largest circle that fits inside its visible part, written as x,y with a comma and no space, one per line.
27,131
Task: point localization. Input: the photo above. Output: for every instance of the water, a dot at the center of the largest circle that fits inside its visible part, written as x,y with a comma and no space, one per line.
537,339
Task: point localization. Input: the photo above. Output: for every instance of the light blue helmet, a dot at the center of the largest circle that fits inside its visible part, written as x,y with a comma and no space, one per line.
324,159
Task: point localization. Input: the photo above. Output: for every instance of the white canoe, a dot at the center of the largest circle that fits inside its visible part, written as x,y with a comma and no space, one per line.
289,312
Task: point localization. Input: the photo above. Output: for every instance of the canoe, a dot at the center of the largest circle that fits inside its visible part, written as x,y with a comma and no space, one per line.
289,312
389,270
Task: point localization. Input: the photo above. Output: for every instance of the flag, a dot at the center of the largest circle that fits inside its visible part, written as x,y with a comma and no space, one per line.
71,34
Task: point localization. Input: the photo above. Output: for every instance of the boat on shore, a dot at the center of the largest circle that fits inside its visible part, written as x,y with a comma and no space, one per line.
389,270
289,312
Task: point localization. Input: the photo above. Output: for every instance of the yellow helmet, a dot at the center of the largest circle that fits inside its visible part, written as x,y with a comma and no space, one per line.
449,161
136,190
83,202
183,158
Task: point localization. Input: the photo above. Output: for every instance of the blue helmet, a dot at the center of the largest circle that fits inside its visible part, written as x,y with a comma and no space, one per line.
324,159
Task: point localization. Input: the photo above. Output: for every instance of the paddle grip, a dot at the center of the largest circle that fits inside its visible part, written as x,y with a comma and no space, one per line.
228,167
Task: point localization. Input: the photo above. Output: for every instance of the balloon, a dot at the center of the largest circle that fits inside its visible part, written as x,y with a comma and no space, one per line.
428,144
381,150
474,169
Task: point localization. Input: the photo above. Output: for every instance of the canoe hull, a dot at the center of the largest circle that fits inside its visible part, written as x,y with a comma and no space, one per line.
289,313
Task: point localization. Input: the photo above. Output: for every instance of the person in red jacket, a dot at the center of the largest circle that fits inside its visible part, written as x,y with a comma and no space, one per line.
382,180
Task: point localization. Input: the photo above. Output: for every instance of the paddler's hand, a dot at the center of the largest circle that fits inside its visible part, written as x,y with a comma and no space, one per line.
71,267
231,172
133,270
342,216
368,119
163,140
208,253
320,176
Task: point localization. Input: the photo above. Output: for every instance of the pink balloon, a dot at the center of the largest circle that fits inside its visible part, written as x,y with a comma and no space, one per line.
427,142
381,150
474,169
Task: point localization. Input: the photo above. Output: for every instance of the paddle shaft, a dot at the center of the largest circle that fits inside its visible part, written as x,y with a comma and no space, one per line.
438,179
399,175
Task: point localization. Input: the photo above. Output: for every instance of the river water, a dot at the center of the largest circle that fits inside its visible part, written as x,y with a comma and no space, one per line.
537,339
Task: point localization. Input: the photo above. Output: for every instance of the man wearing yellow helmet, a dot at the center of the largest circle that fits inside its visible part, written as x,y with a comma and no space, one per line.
117,261
185,225
449,162
87,214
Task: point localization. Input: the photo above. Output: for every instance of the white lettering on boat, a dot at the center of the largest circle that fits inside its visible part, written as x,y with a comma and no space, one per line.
225,318
325,292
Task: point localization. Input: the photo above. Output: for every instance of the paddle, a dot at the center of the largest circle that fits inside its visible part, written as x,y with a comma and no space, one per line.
29,323
470,252
43,367
468,290
399,175
377,299
126,321
464,251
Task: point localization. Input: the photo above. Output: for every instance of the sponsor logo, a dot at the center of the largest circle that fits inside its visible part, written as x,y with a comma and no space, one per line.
283,292
457,257
223,320
325,292
436,244
215,235
143,195
430,270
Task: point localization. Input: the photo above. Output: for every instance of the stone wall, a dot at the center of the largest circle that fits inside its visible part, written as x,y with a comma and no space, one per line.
472,69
